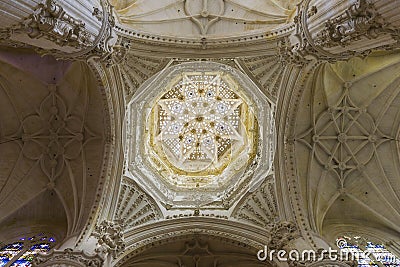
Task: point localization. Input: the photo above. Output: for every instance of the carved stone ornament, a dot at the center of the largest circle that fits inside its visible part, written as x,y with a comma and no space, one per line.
359,20
260,207
135,207
104,47
67,258
267,71
281,235
110,238
289,54
119,52
52,22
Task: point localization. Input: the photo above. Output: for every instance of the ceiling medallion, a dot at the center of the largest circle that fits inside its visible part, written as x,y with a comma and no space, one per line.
196,135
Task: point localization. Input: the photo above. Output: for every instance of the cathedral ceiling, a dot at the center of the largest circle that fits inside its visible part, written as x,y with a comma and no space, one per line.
74,153
53,130
207,19
347,145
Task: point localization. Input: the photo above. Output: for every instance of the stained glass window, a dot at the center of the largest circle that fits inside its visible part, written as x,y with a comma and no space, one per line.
367,253
22,252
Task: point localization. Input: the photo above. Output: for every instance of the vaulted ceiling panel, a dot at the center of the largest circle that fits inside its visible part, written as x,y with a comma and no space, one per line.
347,143
190,18
52,138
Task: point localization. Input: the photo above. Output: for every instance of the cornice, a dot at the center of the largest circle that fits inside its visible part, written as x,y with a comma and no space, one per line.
255,44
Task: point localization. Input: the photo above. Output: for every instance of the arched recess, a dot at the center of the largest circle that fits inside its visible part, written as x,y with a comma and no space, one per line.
197,250
141,240
55,140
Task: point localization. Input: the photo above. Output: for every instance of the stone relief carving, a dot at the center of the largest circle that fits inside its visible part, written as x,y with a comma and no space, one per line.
359,20
289,54
204,18
104,47
67,258
118,54
229,192
135,207
135,70
268,71
260,207
282,233
50,21
110,238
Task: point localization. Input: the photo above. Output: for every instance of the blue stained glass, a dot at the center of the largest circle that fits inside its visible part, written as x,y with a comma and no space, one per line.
21,263
378,253
9,252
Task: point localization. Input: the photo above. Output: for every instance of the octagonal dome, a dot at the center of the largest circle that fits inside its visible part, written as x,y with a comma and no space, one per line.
201,134
199,128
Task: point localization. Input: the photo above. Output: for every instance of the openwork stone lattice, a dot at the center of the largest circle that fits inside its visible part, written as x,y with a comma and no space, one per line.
201,143
199,127
200,124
